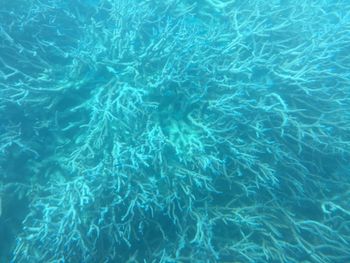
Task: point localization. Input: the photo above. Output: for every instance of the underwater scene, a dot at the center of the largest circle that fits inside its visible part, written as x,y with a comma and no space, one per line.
174,131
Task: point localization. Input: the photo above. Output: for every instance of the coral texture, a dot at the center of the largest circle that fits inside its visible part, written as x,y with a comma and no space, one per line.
175,131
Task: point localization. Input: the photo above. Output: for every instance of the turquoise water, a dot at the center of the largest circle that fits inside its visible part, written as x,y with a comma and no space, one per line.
174,131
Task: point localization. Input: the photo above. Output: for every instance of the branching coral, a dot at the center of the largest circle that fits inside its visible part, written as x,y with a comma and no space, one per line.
151,131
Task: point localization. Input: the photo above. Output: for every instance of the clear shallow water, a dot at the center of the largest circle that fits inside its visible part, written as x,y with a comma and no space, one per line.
174,131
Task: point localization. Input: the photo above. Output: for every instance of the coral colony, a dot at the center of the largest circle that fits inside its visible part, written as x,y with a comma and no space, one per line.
175,131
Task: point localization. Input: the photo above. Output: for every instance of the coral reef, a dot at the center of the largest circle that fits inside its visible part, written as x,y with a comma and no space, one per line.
175,131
